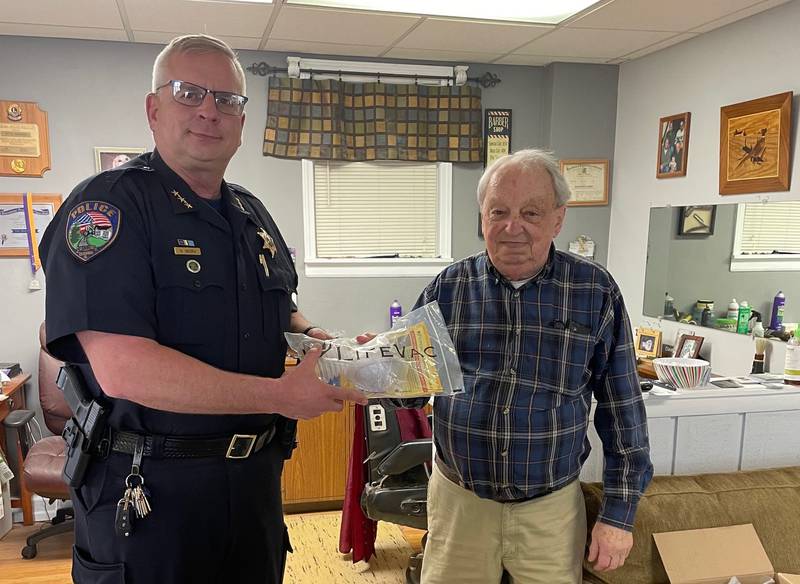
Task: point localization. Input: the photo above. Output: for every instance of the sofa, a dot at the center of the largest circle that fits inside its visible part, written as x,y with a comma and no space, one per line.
769,499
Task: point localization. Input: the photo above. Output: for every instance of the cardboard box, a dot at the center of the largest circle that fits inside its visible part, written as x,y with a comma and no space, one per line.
714,556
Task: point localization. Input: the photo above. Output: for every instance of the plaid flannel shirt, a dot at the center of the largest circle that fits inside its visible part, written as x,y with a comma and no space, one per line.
532,358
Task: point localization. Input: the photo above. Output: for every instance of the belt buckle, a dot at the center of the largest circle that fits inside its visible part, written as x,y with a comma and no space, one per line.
233,447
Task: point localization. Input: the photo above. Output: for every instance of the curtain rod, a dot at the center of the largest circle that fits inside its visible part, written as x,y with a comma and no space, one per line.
264,69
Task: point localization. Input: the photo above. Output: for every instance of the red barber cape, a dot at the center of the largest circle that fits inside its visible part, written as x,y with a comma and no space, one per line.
357,532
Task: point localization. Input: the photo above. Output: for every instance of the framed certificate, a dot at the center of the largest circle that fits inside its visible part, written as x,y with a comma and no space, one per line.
13,229
588,181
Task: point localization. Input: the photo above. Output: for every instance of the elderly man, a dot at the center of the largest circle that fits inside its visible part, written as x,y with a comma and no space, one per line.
538,332
170,290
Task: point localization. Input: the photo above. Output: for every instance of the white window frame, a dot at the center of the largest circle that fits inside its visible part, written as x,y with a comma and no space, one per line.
378,267
758,263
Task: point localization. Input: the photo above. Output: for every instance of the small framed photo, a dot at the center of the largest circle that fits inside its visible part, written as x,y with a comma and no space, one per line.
688,346
648,342
697,220
673,145
106,158
754,145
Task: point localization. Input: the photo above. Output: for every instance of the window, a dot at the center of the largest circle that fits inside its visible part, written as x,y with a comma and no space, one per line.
767,237
376,218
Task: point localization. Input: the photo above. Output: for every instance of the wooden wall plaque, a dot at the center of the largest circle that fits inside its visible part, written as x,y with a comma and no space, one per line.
24,139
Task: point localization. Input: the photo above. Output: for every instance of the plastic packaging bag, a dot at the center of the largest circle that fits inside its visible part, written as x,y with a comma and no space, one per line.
416,358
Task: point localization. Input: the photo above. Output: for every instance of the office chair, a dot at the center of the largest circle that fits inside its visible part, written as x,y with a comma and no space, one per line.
43,460
397,487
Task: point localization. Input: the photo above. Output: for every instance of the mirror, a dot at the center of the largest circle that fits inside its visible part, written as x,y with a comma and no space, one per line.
707,255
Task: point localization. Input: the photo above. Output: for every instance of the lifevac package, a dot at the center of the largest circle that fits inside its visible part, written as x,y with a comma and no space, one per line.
416,358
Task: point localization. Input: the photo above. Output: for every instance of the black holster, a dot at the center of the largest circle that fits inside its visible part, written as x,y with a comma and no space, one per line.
286,435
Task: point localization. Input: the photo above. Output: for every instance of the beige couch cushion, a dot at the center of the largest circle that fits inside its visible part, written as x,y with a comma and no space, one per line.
769,499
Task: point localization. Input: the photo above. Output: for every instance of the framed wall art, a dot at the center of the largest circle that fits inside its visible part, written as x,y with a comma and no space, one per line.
754,145
697,220
588,181
106,158
673,145
13,226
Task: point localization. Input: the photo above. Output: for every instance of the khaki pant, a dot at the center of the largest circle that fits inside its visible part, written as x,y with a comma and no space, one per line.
472,540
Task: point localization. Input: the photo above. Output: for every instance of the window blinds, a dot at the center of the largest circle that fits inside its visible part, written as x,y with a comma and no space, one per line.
770,228
371,209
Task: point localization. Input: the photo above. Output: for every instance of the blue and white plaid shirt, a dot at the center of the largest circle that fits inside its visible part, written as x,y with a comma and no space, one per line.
532,358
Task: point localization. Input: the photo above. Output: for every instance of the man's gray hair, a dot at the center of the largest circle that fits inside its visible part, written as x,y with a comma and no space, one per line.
528,159
194,43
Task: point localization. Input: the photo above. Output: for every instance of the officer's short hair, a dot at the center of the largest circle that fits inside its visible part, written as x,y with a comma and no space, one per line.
528,159
194,43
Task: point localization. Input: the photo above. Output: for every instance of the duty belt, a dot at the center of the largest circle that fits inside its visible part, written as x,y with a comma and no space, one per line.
236,447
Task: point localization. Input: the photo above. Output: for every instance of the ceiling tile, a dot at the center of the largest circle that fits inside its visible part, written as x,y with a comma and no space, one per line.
658,46
238,19
63,32
441,55
162,38
341,27
540,60
675,15
480,37
589,42
312,48
760,7
78,13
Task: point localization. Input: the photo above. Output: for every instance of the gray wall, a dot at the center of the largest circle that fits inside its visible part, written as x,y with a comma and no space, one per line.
698,268
580,117
94,95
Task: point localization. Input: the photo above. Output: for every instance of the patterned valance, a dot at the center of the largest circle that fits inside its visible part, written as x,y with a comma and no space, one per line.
336,120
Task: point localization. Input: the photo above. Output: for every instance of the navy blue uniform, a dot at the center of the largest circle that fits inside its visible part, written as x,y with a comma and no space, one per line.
135,251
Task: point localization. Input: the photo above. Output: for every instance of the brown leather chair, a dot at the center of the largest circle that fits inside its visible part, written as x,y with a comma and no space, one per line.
44,459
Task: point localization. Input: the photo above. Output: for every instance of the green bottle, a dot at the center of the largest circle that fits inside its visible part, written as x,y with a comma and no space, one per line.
743,325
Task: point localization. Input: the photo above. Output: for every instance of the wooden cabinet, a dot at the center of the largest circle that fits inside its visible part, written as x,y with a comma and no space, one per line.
315,477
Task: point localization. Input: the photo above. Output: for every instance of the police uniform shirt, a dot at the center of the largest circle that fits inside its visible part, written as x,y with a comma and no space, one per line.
134,251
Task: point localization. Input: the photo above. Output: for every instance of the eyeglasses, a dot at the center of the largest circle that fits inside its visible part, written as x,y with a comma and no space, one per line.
193,95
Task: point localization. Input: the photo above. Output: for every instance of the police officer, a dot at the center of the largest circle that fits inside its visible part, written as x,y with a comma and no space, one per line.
170,289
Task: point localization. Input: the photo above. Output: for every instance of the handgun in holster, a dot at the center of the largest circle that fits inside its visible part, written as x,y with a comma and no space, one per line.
286,435
85,430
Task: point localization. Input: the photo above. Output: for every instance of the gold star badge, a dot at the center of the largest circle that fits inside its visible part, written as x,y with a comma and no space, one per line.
269,244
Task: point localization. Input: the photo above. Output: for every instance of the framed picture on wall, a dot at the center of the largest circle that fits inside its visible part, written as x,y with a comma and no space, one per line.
673,145
13,224
648,343
754,145
697,220
106,158
588,181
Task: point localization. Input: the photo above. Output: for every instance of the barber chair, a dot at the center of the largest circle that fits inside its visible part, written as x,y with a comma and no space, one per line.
44,459
397,490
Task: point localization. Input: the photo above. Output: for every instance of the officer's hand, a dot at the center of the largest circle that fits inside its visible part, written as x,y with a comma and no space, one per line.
365,338
304,396
320,333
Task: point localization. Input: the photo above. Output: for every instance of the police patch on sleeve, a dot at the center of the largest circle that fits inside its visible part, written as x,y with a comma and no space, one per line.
92,226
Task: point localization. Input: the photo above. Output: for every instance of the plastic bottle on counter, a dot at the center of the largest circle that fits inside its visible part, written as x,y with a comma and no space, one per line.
733,310
743,320
791,370
669,304
395,312
778,305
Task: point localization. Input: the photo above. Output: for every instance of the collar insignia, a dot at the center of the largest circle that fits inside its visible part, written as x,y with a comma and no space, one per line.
181,200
